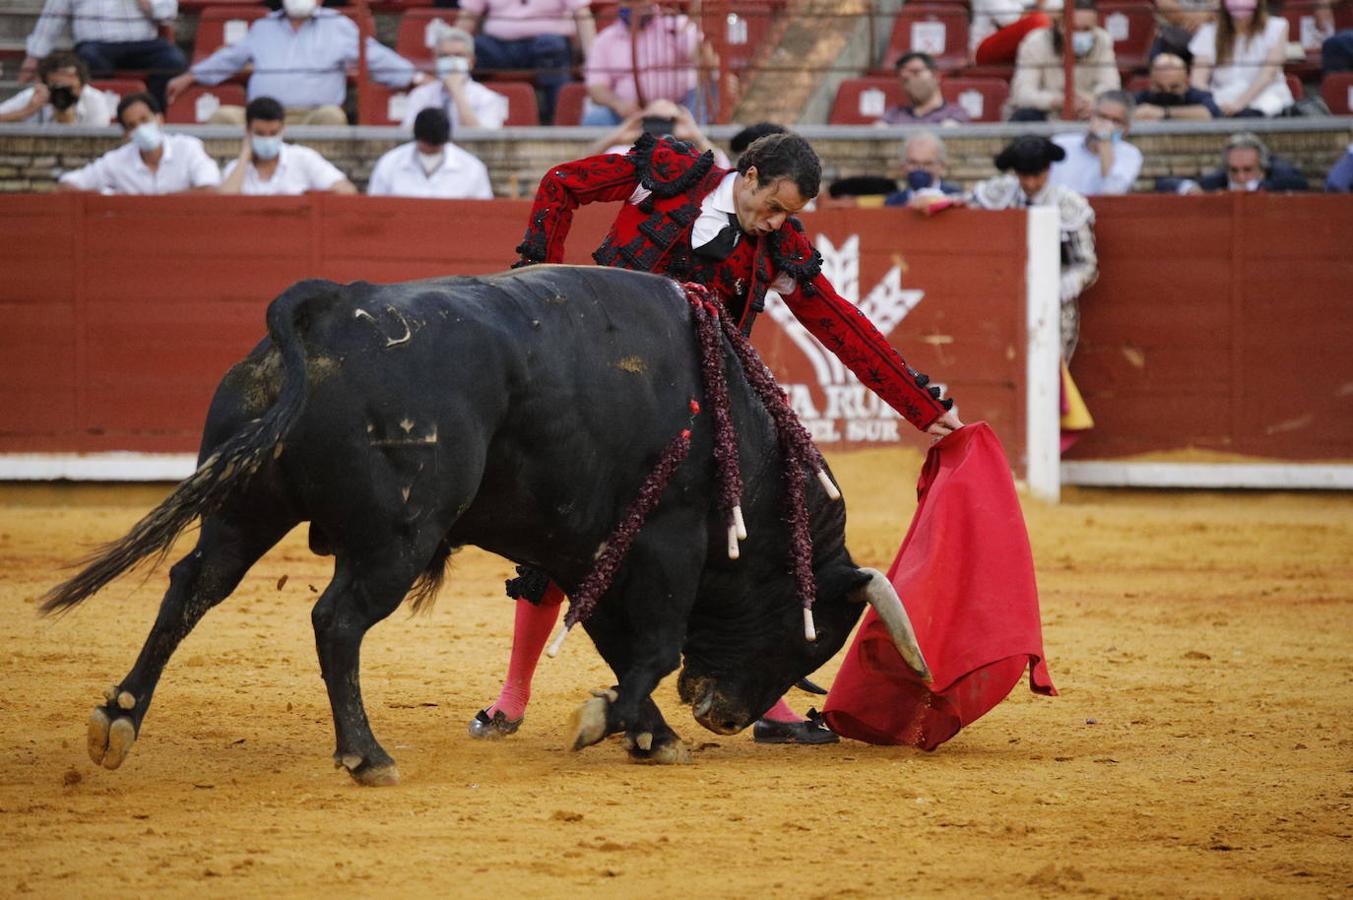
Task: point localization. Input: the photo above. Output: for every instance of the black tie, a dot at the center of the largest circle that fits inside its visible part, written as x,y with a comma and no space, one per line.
722,244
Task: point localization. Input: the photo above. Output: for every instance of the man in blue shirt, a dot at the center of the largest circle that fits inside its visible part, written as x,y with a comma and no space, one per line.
1171,96
301,55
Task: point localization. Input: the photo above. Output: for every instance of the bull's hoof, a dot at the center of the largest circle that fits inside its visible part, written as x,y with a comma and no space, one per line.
368,774
672,752
587,724
109,740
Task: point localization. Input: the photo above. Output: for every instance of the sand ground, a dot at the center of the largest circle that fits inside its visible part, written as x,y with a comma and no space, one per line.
1201,745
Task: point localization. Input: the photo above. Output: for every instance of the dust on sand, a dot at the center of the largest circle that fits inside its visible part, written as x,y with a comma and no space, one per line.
1201,744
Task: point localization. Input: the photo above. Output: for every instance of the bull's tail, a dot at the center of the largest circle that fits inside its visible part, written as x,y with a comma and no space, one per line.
220,475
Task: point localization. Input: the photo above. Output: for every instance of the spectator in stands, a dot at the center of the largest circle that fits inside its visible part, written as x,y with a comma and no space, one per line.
1177,21
430,165
924,165
533,35
1036,89
998,27
1340,177
152,163
1247,165
659,118
468,103
110,35
1171,96
267,166
664,48
1239,58
751,134
300,54
1100,160
62,95
1031,158
920,79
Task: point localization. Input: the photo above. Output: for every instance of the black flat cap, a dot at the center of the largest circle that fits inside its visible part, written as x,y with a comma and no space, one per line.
1029,155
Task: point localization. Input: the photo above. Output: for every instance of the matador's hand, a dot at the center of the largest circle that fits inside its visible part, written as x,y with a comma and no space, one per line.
945,424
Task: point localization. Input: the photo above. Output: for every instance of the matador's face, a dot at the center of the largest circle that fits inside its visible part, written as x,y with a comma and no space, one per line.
763,208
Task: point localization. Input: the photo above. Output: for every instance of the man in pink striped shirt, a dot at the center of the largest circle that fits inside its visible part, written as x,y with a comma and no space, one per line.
663,48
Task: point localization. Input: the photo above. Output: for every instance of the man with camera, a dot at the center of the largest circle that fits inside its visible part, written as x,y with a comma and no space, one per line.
467,103
62,95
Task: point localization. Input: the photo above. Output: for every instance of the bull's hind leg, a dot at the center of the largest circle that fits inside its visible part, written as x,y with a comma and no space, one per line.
639,630
225,550
365,590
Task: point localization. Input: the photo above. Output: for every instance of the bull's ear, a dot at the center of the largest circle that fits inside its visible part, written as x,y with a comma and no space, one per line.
858,589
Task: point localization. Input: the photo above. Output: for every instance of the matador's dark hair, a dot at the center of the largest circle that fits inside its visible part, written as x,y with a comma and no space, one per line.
784,156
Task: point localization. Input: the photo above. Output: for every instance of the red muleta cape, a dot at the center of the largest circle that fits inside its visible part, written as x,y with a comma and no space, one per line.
966,576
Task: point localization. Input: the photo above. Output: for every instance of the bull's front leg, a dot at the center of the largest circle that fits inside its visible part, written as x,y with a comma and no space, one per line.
639,630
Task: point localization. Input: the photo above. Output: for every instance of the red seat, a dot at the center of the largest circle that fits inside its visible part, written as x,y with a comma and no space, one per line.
1301,28
521,102
863,101
123,87
1337,91
568,107
418,29
744,29
222,25
196,104
1137,83
982,98
1004,73
941,31
386,106
1294,85
1132,25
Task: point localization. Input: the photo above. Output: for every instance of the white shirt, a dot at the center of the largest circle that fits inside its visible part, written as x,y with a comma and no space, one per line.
104,21
1080,171
184,165
490,107
714,212
93,108
299,169
1247,58
461,176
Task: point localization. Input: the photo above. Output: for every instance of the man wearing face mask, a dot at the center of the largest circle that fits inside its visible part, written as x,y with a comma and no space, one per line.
920,80
1038,83
430,165
468,104
924,165
267,166
1100,161
1246,165
1171,96
62,96
301,54
1030,158
152,162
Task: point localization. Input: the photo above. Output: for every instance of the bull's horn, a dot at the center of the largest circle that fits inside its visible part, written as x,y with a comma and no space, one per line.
879,593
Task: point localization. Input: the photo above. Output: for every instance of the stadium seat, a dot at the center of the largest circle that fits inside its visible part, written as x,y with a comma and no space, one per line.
195,105
863,101
119,87
941,31
743,27
522,108
387,106
1337,91
1137,83
1295,86
981,98
222,25
418,30
1132,25
568,107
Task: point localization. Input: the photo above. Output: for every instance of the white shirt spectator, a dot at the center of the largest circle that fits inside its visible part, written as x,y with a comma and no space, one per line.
400,173
299,169
93,108
303,67
1082,172
184,166
1231,80
105,21
489,106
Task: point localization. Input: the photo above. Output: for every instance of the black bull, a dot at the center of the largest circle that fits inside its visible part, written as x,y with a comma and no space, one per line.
519,413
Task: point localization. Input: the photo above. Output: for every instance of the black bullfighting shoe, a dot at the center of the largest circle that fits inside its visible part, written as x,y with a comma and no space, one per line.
481,726
812,731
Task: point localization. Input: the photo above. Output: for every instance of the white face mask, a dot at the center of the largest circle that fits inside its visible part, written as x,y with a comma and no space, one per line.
449,64
431,162
1082,42
147,137
1249,186
299,9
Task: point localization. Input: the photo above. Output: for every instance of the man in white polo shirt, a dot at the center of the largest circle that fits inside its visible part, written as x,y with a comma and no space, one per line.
151,163
268,167
430,165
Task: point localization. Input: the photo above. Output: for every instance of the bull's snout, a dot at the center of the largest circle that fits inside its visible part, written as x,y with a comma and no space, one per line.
711,707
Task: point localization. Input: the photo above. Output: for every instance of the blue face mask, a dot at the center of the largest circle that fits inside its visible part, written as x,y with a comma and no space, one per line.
919,181
448,64
1082,42
147,137
266,148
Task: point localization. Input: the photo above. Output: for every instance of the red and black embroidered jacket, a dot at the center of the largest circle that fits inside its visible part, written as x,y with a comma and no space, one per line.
654,236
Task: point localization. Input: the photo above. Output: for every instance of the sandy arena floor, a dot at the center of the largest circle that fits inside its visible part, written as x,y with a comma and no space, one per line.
1201,745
